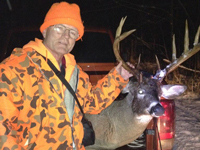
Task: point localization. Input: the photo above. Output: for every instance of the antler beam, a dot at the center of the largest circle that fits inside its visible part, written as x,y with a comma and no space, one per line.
187,52
117,40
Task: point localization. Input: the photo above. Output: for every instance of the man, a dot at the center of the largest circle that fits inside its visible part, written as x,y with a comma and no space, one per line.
35,105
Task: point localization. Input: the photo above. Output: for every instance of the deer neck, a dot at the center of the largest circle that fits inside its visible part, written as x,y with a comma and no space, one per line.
129,124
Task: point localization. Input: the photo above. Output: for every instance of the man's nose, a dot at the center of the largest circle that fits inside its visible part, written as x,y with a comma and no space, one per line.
66,33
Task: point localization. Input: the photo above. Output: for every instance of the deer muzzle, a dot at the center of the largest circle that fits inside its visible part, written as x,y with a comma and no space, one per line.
157,110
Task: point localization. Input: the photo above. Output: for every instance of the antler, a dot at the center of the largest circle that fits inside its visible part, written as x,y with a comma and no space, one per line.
185,55
118,38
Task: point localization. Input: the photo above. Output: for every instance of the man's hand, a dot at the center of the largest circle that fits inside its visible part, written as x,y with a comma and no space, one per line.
123,72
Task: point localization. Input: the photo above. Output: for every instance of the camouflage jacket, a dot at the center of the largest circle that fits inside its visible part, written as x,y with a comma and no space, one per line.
33,114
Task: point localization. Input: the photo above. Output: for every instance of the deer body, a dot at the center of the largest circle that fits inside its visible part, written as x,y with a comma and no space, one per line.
116,126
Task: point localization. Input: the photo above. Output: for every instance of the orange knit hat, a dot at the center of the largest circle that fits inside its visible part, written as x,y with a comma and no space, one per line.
64,13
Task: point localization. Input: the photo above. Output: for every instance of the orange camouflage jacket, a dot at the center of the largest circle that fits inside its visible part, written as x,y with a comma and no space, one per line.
33,113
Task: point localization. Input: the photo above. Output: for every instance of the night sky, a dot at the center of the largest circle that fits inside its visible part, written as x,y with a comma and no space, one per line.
155,20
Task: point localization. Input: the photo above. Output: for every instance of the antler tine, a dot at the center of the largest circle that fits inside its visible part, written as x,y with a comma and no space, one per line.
119,29
157,62
117,40
173,49
138,63
186,40
196,40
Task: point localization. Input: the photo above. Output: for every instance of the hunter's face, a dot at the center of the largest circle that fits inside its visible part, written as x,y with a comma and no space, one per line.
60,39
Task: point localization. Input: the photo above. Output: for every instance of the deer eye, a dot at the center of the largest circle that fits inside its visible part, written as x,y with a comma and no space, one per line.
141,91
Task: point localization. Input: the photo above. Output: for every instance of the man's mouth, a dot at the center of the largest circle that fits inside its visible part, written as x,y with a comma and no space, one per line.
63,43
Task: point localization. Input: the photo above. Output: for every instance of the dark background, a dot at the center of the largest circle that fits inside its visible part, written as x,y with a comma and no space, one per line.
155,20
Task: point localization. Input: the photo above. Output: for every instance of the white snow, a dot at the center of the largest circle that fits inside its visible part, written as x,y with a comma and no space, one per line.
187,135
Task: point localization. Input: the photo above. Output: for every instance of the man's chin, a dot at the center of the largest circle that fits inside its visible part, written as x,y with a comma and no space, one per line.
63,50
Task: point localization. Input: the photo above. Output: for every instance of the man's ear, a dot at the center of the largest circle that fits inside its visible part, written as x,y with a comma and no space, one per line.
44,33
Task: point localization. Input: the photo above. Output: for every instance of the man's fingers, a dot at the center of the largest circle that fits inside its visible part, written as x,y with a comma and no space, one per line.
131,65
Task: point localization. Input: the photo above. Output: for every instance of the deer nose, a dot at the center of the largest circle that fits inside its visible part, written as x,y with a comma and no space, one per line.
157,110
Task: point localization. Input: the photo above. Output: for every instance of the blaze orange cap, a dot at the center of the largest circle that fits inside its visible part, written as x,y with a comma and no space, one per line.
64,13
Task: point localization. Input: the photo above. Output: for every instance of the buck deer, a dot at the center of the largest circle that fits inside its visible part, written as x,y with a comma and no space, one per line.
125,120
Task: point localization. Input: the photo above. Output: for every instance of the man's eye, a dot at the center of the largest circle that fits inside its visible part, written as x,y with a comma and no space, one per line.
60,28
73,32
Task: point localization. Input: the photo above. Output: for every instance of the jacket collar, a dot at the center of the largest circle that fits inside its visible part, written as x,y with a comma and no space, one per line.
39,47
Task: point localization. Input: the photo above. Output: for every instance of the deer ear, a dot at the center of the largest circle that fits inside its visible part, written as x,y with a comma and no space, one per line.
172,91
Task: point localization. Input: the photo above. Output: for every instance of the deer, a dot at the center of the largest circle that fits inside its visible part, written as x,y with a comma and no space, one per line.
126,118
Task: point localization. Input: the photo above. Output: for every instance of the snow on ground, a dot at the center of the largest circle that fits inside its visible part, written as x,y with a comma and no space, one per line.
187,135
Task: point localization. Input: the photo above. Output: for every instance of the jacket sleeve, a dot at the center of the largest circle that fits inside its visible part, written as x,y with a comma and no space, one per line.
96,98
10,100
